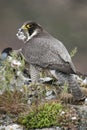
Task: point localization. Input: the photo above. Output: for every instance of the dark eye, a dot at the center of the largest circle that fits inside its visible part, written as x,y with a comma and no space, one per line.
28,26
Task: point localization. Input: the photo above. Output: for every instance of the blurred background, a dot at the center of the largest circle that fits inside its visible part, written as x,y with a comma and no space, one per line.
64,19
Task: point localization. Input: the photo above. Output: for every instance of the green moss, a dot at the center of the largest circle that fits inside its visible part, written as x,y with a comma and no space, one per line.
45,116
49,115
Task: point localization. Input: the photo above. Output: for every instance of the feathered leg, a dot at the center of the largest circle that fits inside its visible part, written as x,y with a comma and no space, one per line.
34,73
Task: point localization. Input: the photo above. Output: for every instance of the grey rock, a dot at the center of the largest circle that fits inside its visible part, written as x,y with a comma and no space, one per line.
82,110
54,128
49,93
50,97
11,127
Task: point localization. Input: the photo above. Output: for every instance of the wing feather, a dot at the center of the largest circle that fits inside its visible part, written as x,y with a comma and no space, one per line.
48,53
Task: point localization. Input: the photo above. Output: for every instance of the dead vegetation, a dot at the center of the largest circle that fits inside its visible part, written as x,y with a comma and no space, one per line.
12,102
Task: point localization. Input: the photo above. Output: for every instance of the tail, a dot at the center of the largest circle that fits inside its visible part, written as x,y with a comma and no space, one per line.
72,83
75,88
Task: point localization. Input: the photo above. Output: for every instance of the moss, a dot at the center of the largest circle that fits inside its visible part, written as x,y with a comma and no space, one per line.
49,115
45,116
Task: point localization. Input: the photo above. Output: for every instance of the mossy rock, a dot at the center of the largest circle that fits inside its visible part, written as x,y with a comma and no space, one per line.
45,115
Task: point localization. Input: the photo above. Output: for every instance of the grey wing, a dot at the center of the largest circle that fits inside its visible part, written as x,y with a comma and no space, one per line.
48,53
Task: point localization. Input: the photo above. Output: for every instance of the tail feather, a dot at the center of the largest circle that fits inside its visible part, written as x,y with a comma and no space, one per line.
75,88
72,84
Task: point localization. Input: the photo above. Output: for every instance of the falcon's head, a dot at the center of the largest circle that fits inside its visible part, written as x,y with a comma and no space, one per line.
28,30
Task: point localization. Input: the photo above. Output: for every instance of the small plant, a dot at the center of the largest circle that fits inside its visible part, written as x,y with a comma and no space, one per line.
12,102
44,116
73,52
50,114
65,96
9,71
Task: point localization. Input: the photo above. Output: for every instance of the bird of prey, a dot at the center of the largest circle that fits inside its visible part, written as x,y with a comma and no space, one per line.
42,51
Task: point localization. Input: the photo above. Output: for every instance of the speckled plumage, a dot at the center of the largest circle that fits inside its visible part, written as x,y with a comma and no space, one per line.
46,52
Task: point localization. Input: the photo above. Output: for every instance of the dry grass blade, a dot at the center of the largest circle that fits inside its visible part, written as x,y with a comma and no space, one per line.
12,102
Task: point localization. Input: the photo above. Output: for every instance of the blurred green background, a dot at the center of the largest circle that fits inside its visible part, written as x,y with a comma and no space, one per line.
64,19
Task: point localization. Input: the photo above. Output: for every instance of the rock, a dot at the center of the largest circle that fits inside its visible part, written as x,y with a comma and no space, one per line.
84,83
46,79
29,102
82,110
80,80
74,118
19,127
11,127
54,128
2,128
50,95
5,119
86,101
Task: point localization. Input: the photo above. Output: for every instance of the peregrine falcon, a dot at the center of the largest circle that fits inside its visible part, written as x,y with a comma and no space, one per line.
42,50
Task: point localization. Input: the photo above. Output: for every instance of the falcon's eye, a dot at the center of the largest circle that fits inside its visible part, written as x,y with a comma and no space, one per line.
28,26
